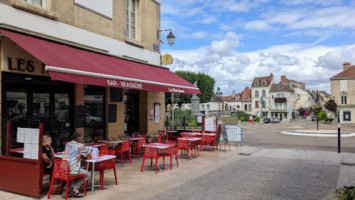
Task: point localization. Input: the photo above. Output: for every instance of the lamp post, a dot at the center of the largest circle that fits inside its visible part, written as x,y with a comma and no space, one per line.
170,37
219,96
261,107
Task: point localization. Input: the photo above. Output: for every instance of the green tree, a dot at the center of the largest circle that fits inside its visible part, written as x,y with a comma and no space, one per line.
321,115
204,82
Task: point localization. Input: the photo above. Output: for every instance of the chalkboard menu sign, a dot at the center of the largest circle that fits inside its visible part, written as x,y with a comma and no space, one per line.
112,113
80,116
221,131
116,94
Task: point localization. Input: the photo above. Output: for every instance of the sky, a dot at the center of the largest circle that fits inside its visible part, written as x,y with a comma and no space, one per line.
234,41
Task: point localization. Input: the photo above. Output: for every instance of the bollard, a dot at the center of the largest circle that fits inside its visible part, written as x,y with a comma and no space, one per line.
338,138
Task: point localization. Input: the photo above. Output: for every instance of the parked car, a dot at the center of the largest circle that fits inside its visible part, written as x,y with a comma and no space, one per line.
275,120
267,120
314,118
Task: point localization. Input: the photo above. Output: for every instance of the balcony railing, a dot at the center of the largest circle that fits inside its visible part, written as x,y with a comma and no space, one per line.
280,100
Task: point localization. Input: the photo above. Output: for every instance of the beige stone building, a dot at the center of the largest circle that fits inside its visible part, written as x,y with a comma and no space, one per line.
260,92
87,66
343,91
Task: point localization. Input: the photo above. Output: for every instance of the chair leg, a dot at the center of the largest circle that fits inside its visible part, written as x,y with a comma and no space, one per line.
114,171
102,179
143,164
156,165
84,186
176,158
171,161
164,162
129,154
66,190
121,159
50,188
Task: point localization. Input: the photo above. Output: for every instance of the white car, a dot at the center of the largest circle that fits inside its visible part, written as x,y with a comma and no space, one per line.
92,120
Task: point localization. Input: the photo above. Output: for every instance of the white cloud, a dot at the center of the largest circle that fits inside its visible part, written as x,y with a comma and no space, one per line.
316,2
308,63
260,25
199,35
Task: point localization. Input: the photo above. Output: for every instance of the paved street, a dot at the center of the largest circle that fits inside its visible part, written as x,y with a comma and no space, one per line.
269,135
267,174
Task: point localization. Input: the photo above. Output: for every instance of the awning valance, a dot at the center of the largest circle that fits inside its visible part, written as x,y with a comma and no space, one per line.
75,65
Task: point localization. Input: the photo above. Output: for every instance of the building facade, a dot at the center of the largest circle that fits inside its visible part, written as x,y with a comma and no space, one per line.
87,66
260,92
343,92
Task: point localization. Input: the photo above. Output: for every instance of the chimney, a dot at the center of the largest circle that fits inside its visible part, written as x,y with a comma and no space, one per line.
283,79
271,75
346,66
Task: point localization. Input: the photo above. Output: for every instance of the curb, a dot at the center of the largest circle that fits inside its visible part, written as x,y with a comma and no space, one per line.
317,135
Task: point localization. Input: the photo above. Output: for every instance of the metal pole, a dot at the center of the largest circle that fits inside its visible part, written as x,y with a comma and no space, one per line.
317,123
339,138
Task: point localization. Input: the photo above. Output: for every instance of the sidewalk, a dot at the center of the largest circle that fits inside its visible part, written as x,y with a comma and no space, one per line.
132,184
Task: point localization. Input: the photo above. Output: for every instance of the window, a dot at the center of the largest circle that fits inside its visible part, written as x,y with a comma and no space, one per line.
202,107
263,104
256,83
276,105
41,3
208,107
263,93
280,95
263,83
343,85
245,107
131,16
249,107
346,115
343,100
256,104
256,93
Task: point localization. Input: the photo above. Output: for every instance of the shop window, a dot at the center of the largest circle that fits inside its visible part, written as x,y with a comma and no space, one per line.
131,19
347,116
343,99
94,100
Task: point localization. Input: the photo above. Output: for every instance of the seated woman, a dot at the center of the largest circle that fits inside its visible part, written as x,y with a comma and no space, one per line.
47,155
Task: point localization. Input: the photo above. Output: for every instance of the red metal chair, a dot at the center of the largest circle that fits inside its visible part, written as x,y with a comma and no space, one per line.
96,139
151,153
138,145
184,145
124,148
206,139
61,172
106,165
170,152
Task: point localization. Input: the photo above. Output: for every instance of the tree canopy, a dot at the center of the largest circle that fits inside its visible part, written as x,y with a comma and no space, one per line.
331,106
204,82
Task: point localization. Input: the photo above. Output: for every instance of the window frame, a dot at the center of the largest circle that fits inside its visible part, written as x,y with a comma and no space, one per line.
43,3
256,83
344,100
349,113
129,19
256,93
343,85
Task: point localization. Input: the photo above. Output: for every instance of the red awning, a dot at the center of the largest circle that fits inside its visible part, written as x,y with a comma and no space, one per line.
75,65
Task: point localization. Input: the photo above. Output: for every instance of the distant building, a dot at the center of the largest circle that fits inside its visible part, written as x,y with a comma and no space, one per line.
260,91
343,92
246,100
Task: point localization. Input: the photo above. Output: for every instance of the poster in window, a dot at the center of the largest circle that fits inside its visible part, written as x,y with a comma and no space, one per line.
156,113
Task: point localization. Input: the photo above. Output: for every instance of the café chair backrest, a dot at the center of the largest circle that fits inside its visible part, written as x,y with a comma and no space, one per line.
61,169
183,143
150,152
125,145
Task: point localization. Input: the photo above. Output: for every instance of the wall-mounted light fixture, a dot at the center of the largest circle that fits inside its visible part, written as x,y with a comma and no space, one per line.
170,37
